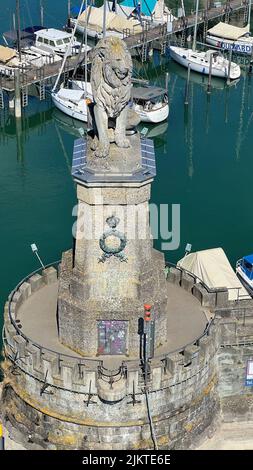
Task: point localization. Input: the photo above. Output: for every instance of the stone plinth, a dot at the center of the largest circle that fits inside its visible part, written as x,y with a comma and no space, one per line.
115,269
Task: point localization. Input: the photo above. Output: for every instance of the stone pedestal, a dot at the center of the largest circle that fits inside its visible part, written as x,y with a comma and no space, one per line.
114,269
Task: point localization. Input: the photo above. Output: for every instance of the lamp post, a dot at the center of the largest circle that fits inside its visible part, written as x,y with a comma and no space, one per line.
35,251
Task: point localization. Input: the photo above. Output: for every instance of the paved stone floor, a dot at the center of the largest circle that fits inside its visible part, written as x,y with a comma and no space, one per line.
186,320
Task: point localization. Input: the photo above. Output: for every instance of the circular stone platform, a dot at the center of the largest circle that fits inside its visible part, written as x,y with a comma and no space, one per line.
186,321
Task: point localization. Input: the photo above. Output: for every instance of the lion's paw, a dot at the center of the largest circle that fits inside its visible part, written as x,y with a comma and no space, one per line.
111,135
102,150
94,143
122,142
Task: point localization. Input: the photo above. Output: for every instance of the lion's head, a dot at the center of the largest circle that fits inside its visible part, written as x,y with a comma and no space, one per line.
117,63
111,74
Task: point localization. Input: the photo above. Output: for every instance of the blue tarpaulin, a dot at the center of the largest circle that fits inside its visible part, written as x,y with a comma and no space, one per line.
248,259
75,9
147,6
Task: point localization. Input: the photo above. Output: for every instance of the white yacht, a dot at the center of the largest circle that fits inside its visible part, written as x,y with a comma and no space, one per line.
200,62
29,53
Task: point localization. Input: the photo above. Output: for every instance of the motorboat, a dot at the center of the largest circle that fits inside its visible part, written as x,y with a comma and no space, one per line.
10,61
244,270
227,37
38,57
29,54
25,37
201,61
58,42
150,103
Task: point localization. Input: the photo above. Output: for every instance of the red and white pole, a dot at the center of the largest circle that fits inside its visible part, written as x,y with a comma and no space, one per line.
1,438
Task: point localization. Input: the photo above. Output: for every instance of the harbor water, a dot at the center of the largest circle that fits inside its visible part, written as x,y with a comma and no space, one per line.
204,163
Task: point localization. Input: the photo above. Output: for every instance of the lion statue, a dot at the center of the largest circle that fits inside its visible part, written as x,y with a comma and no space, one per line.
111,87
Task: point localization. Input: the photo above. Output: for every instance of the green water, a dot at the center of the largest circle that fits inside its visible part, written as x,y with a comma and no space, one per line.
204,163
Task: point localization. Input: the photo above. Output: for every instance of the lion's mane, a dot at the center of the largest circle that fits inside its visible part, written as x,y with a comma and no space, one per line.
109,91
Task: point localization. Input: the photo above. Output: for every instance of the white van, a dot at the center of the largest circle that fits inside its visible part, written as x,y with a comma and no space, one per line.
57,41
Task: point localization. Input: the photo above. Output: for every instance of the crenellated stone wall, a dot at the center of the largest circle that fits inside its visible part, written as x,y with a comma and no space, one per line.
66,402
46,394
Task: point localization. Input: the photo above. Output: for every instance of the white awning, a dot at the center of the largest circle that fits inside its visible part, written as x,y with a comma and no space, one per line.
227,31
214,269
72,95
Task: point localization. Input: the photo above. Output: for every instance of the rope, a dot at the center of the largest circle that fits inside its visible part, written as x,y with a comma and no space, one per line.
29,13
68,48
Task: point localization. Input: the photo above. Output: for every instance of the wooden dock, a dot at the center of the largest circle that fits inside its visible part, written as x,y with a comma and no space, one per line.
160,34
41,74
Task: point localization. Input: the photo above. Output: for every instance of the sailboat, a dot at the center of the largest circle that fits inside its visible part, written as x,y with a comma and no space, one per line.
73,102
205,62
228,37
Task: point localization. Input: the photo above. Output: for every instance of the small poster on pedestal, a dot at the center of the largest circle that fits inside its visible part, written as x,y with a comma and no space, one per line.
249,374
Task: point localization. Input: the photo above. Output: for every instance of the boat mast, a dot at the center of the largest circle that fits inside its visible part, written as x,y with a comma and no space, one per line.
69,14
68,48
249,14
183,8
41,13
195,26
18,28
104,20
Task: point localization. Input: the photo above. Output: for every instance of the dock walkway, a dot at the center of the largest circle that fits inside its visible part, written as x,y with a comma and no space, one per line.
159,33
41,74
